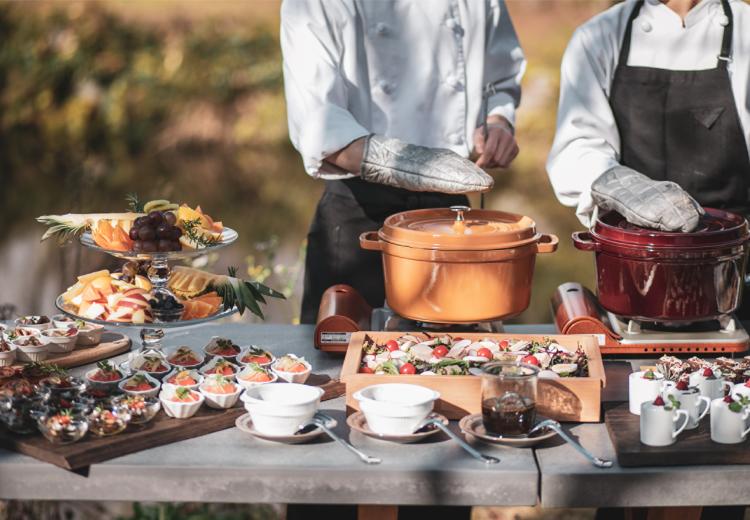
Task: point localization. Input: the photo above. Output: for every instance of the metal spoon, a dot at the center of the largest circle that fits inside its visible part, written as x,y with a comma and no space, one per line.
555,426
487,459
322,421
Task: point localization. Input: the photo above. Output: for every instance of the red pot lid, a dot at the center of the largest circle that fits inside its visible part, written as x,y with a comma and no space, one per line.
458,228
717,228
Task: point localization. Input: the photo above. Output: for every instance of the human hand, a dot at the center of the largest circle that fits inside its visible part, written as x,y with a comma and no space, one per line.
500,148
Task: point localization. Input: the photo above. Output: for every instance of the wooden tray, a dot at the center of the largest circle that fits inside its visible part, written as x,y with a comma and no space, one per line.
161,430
575,399
112,344
692,446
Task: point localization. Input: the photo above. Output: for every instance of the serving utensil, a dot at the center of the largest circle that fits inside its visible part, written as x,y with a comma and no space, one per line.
322,421
555,426
487,459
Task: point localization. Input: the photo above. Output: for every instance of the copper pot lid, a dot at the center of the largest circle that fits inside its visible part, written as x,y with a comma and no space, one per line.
458,228
717,228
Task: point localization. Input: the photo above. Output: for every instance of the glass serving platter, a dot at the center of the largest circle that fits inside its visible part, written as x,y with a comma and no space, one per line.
228,236
60,304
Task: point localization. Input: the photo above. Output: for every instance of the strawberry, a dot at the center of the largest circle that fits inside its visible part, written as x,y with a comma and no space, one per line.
707,372
728,399
682,385
747,383
658,401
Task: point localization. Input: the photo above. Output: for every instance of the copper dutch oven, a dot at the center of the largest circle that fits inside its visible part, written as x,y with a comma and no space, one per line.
669,277
456,265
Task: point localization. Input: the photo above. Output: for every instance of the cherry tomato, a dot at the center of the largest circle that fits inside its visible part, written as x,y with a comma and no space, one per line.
407,368
366,370
531,360
485,353
392,345
440,351
504,344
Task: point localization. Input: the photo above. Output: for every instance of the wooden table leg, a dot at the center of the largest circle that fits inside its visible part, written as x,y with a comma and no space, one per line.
663,513
371,512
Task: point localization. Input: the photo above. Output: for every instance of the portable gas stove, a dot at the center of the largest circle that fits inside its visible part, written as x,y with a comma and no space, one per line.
576,310
343,311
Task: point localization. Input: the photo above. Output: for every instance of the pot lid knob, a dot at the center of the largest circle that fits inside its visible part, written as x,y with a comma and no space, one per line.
460,210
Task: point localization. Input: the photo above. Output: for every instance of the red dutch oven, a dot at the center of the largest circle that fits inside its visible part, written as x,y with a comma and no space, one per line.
669,277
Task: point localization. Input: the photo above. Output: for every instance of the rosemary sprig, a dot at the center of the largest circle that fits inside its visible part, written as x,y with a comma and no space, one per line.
134,203
191,227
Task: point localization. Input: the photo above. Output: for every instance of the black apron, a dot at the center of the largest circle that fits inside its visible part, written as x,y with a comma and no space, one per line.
347,209
683,126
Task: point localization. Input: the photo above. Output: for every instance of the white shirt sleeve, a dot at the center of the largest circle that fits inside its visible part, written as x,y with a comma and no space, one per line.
504,63
319,120
587,141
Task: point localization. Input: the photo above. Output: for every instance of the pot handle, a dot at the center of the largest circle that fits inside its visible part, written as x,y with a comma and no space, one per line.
583,241
369,240
547,244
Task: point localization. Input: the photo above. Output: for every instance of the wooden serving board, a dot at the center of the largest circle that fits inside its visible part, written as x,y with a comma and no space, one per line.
575,399
692,446
161,430
112,344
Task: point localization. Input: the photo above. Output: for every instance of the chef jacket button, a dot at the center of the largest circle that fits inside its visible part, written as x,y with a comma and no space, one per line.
723,20
646,26
385,87
454,82
456,138
381,28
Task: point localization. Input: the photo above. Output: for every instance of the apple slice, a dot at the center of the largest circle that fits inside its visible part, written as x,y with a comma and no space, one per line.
86,278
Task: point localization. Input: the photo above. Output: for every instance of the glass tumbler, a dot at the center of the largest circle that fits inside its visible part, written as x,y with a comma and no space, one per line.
509,398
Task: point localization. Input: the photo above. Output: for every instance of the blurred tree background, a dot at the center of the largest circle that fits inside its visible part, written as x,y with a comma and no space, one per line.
184,101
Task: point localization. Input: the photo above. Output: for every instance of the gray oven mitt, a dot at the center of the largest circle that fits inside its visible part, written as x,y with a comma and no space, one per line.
419,168
661,205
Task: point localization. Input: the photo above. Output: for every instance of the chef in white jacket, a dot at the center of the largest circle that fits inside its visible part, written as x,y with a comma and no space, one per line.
385,102
654,113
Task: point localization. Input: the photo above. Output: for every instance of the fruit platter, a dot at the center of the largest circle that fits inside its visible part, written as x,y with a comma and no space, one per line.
146,292
570,379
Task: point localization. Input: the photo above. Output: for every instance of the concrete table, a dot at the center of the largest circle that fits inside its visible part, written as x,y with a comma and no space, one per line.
230,466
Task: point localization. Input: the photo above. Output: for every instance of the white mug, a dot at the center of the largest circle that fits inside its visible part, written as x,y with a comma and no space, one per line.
692,402
659,424
711,388
727,426
642,390
741,390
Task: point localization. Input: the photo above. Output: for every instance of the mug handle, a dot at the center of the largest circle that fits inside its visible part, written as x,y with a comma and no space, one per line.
704,399
729,387
684,423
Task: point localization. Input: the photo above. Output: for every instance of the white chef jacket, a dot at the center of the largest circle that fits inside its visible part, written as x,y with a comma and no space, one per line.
407,69
587,142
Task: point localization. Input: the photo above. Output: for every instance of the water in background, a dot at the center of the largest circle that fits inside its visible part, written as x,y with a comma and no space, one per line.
184,101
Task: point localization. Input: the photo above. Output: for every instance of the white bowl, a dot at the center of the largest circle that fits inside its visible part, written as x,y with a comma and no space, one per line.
108,385
61,344
145,393
7,358
29,353
193,372
395,408
8,331
246,349
40,327
198,355
220,401
250,384
90,335
175,409
293,377
136,362
279,408
62,321
211,343
211,364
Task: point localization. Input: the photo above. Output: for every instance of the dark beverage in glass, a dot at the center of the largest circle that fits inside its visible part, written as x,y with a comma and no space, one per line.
508,419
509,398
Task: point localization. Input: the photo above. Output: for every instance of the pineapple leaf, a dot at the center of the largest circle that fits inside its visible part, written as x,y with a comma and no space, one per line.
62,230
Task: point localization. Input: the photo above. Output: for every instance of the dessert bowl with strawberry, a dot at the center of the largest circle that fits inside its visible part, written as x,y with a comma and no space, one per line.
140,384
292,369
220,392
180,402
61,340
105,375
222,347
221,367
255,355
254,374
185,357
189,378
